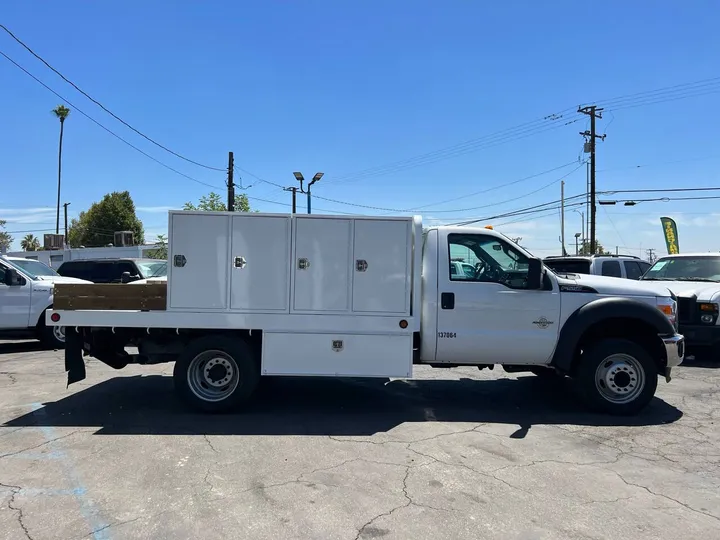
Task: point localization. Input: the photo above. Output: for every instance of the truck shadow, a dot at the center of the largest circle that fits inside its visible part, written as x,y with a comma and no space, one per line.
14,347
315,406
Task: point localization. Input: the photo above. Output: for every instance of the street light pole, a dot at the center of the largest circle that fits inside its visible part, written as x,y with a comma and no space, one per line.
582,225
299,177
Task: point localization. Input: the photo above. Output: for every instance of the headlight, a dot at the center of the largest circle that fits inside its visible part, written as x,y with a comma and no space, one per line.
708,312
669,307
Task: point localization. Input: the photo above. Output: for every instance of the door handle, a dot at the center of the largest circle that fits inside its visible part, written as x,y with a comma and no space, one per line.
447,300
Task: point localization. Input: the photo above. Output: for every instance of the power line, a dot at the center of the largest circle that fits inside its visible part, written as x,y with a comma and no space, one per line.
550,122
507,184
671,93
666,190
659,93
76,108
450,211
656,163
105,108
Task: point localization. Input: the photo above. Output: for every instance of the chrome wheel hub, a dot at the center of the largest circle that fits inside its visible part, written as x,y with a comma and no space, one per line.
213,375
620,378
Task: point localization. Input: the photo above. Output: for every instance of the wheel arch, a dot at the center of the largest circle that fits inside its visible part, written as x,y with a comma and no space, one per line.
41,318
611,317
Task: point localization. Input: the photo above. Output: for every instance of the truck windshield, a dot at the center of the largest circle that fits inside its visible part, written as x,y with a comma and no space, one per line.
33,269
699,268
153,268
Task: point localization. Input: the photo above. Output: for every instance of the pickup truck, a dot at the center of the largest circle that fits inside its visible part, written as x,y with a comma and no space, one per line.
252,295
26,292
694,278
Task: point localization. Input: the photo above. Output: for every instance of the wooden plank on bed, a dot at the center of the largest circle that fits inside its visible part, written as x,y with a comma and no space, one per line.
110,296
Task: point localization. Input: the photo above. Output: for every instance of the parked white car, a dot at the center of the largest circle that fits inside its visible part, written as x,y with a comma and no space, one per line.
26,292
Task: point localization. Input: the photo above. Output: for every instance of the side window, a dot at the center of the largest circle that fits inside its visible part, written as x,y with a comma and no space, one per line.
487,259
611,269
644,267
2,274
632,270
74,269
126,266
104,272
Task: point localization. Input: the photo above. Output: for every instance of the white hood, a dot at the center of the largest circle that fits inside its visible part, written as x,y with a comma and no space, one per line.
159,279
703,290
615,286
62,279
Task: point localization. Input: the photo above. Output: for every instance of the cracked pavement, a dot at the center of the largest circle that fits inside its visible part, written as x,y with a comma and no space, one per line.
453,454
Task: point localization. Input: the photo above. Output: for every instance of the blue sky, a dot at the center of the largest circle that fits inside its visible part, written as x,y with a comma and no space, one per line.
342,87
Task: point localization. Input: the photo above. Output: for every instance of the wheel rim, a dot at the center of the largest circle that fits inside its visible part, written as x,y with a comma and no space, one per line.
59,333
213,376
620,378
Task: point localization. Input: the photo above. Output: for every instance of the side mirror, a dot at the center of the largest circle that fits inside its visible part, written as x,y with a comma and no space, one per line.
125,277
535,274
12,278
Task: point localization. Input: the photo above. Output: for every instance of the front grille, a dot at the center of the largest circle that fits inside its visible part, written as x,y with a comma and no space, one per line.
686,310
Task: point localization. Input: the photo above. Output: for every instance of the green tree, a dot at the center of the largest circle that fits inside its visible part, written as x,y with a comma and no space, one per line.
599,249
30,242
96,227
213,202
161,249
6,238
61,112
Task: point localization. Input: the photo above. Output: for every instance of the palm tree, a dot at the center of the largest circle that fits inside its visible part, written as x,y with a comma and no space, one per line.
61,112
30,243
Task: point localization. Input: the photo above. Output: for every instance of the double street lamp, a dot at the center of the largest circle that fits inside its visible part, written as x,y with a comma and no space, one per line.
299,177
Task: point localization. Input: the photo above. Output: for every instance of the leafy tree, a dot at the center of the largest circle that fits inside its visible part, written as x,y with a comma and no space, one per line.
96,227
599,249
213,202
6,238
161,248
30,243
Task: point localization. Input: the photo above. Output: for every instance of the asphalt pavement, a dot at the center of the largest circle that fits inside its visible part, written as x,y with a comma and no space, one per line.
454,454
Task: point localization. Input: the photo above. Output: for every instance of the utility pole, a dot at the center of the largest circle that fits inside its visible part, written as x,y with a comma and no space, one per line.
294,191
562,217
65,205
230,184
593,112
651,255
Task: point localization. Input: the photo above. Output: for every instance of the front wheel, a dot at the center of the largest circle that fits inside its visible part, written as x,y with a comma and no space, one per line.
616,376
216,374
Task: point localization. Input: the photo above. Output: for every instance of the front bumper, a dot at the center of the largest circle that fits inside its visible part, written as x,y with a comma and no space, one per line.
674,350
701,335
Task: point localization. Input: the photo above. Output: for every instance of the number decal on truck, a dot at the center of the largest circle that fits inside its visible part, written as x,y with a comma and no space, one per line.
447,334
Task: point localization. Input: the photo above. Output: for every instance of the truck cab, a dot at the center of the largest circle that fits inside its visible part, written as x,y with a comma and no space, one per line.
26,292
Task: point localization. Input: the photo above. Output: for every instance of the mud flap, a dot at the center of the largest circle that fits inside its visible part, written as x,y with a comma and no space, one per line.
74,364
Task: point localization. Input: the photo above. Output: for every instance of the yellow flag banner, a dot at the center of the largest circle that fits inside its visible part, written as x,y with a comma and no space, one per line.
671,235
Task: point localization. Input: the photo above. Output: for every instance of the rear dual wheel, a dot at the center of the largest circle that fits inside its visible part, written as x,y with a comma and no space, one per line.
216,374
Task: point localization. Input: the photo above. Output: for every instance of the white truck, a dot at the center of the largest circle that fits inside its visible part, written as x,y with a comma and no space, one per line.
26,292
251,295
695,279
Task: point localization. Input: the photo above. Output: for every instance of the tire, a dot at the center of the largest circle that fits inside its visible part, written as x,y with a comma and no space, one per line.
617,377
51,336
216,374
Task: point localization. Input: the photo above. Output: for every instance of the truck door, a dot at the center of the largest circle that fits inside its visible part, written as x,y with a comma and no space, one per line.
14,303
489,316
